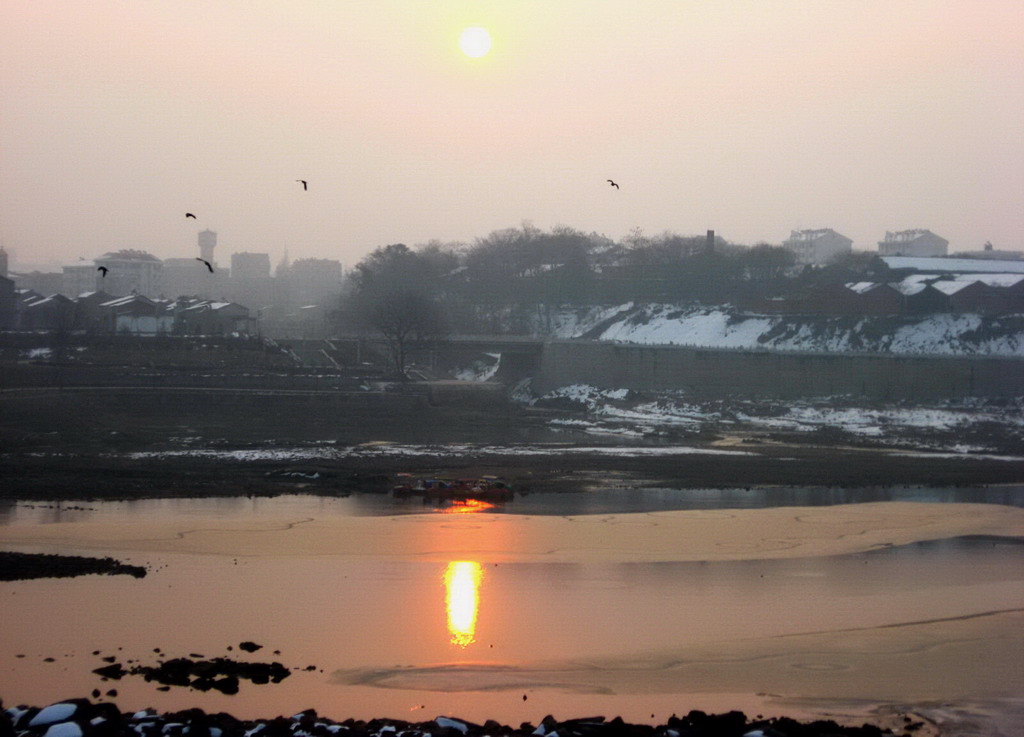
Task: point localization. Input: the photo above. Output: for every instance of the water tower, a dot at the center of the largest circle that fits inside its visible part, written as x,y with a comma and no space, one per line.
207,242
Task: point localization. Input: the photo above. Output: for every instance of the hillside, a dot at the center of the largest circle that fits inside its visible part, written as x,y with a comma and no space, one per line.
725,327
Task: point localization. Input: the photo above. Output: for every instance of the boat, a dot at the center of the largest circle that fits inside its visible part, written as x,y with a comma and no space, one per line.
481,487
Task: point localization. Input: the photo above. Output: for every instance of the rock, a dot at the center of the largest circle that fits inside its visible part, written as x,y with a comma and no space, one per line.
446,723
53,714
249,646
64,729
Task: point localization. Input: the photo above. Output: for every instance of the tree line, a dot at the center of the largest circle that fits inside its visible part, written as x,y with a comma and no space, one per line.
512,280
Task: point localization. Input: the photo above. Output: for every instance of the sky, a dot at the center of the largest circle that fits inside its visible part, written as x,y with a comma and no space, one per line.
749,117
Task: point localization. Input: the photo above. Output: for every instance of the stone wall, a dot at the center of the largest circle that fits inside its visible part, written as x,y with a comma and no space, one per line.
711,372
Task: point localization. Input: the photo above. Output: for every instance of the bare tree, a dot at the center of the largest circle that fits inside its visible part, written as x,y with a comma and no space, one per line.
393,294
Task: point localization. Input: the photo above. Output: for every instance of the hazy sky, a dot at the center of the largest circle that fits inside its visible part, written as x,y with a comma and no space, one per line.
750,117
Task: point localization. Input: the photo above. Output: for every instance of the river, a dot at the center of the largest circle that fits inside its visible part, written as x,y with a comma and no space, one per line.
641,603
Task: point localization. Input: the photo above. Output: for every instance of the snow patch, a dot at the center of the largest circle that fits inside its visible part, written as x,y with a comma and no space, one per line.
726,327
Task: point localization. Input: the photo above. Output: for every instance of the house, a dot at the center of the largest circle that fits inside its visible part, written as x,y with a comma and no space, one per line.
53,313
916,242
88,315
964,295
1002,293
1006,292
817,247
8,303
135,314
830,299
212,318
876,298
921,298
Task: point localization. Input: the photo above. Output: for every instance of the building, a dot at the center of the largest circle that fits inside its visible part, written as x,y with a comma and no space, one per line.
952,265
136,314
213,318
8,303
53,313
130,271
875,298
989,251
3,262
310,281
207,242
45,282
817,247
181,276
88,312
964,295
250,266
922,299
917,242
79,277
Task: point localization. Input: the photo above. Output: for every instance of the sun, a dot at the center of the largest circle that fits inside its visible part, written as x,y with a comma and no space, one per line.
475,41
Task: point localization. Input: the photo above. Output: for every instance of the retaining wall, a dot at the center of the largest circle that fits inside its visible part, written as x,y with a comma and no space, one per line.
711,372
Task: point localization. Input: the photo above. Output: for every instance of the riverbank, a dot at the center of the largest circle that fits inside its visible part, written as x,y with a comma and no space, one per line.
77,717
857,610
336,469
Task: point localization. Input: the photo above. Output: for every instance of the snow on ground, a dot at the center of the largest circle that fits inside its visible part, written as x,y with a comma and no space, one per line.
670,325
394,450
725,327
482,370
569,323
962,428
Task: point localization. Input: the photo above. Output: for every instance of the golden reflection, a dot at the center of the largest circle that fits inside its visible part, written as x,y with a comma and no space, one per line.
462,600
467,506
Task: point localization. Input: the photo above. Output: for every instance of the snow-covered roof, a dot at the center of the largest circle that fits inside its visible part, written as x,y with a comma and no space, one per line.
128,254
910,288
906,236
127,300
999,280
952,286
862,287
53,298
812,235
945,265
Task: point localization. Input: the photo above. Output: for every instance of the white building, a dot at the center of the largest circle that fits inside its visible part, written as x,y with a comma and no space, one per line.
916,242
79,278
817,247
130,271
181,276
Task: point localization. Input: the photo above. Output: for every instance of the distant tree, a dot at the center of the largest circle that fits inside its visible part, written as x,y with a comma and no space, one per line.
765,262
392,293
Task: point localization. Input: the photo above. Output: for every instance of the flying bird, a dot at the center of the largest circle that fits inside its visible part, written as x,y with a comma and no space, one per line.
205,262
190,215
612,183
305,184
103,270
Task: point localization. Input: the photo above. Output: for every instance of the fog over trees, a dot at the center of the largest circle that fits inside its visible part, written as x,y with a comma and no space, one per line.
511,280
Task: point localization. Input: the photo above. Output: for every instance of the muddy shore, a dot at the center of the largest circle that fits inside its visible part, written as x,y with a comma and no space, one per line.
23,566
44,476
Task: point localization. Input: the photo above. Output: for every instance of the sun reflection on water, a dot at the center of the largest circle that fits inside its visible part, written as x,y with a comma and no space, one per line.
467,506
462,600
